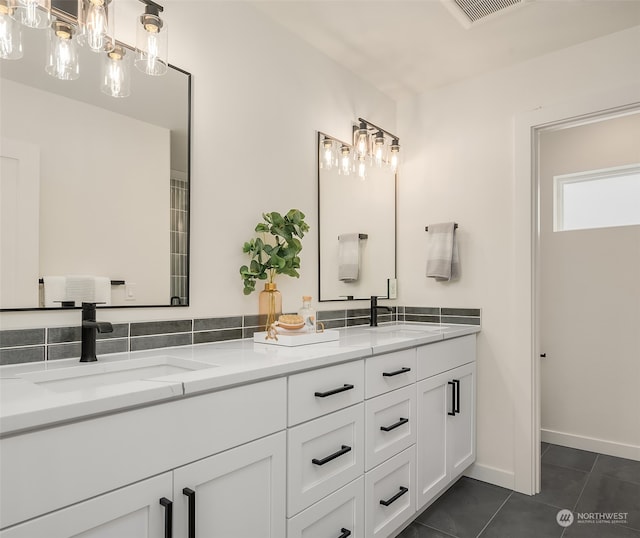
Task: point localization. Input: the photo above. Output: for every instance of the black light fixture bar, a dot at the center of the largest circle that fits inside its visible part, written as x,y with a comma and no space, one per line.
375,127
150,3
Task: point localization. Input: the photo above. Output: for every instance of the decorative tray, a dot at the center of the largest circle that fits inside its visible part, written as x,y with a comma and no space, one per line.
295,338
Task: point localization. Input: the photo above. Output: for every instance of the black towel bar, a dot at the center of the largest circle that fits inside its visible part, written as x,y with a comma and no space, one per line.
113,282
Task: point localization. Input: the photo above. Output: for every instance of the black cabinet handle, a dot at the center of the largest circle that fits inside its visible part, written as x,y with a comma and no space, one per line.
453,399
397,372
333,456
334,391
345,533
168,517
393,499
457,408
394,426
192,511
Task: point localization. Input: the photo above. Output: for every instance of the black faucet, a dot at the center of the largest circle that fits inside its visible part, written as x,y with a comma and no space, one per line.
373,315
89,328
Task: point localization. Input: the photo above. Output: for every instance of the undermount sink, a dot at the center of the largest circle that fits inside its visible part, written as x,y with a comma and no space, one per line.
99,374
407,328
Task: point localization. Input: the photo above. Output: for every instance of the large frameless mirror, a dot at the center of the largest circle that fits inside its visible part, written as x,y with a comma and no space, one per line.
356,220
93,185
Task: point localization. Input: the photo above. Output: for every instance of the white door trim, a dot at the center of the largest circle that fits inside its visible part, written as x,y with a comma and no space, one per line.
525,235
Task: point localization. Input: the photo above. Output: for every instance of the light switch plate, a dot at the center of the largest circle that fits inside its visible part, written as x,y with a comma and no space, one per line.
392,288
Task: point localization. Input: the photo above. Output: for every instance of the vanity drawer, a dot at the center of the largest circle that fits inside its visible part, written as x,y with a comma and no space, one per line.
442,356
389,494
319,392
334,516
324,455
390,371
390,425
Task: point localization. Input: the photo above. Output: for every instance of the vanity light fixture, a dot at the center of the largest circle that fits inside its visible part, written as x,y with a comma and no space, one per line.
361,139
394,149
32,13
116,77
370,142
327,157
62,53
378,149
10,33
345,160
96,22
151,40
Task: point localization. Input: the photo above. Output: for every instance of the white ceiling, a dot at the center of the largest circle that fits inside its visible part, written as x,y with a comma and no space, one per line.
408,47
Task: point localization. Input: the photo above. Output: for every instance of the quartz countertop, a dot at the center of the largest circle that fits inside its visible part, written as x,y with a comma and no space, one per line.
26,405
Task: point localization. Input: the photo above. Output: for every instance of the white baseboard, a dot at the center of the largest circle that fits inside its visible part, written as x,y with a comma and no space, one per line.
492,475
591,444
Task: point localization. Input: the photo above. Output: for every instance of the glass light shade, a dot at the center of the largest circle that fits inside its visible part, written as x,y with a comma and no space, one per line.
62,52
32,13
327,154
116,73
362,167
394,154
96,20
379,149
346,162
10,34
361,140
151,43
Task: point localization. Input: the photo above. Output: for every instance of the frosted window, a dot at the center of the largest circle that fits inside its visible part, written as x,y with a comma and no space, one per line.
597,199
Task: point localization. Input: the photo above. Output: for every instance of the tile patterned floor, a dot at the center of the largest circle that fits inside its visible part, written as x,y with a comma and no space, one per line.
577,480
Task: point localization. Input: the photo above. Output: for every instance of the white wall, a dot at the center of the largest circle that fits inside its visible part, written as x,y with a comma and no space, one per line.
78,172
458,145
590,301
259,96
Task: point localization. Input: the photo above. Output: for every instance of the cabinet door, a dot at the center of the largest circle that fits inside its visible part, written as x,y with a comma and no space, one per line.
133,511
235,494
461,427
433,404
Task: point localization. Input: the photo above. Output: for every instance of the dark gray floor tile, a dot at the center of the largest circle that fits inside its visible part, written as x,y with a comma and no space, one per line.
599,530
620,468
465,508
415,530
573,458
560,486
521,517
605,494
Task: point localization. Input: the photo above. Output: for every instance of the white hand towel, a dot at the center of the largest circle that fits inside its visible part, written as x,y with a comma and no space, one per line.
87,288
348,257
54,290
443,263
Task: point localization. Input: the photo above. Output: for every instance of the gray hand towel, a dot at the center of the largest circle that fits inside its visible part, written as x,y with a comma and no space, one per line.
443,263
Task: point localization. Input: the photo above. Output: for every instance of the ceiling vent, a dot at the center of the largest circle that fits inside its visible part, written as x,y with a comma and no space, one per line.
471,12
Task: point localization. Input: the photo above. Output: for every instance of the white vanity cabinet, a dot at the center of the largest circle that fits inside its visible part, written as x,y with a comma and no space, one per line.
446,414
49,471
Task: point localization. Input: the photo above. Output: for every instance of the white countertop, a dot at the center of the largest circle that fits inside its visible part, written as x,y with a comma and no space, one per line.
25,404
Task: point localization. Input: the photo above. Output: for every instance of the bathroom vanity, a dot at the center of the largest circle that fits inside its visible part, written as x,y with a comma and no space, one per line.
346,438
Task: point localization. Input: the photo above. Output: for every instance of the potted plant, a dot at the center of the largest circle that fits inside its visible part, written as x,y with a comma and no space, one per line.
275,252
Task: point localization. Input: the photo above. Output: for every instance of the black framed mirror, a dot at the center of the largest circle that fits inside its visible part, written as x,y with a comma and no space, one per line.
93,185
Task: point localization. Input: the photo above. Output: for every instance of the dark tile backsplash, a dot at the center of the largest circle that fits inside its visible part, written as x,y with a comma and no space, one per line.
32,345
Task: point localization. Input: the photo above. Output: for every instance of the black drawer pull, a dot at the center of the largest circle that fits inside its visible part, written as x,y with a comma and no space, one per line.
393,499
168,516
192,511
453,399
345,533
394,426
403,370
333,456
334,391
457,408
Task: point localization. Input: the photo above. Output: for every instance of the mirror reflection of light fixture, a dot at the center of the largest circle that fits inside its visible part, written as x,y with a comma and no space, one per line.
345,160
116,77
327,157
151,40
96,22
62,53
361,139
32,13
378,149
10,33
394,151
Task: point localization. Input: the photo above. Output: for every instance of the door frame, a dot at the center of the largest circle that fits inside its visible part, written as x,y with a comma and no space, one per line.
526,288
